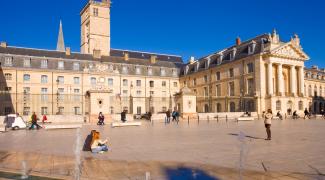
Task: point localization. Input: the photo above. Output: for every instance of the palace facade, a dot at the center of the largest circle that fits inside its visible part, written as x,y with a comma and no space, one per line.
254,75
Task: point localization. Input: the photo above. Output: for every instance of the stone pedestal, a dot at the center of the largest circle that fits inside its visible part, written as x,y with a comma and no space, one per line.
99,102
186,103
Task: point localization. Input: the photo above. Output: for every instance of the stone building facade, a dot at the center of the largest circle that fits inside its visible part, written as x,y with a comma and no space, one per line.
254,75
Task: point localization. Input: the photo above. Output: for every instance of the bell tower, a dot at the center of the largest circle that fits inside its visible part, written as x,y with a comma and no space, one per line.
95,27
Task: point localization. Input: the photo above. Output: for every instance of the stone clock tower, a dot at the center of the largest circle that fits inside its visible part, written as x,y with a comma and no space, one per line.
95,27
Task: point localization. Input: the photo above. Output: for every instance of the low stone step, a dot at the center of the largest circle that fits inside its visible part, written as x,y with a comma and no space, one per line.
62,126
121,124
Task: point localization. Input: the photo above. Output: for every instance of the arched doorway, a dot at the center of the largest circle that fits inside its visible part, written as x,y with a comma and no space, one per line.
232,107
289,107
206,108
218,109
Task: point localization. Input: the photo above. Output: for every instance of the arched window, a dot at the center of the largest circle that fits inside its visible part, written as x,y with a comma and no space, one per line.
278,105
309,91
93,81
315,91
206,108
8,76
232,107
26,77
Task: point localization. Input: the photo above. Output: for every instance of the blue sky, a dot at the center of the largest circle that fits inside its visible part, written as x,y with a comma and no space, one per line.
182,27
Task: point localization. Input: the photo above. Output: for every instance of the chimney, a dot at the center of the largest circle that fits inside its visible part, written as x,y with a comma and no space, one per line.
97,54
4,44
126,56
192,60
153,59
68,51
238,41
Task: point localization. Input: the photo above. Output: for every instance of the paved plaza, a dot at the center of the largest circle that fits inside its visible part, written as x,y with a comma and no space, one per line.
204,150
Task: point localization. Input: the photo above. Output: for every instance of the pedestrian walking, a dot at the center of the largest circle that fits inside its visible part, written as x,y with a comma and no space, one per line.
101,119
168,116
34,122
123,116
307,114
268,122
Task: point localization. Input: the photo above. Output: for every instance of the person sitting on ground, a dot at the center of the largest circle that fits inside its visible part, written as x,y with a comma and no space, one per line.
34,122
88,140
98,145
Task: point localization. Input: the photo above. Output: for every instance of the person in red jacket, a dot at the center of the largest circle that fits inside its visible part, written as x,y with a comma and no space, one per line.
44,119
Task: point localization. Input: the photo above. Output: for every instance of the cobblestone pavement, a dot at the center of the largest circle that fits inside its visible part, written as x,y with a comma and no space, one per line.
205,150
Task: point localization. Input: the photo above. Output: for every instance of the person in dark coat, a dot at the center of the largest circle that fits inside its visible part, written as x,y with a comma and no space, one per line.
123,116
87,143
168,116
101,119
306,114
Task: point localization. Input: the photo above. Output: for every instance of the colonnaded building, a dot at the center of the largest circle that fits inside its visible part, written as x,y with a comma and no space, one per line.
254,75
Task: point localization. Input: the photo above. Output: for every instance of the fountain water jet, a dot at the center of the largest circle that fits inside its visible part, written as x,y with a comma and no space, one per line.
243,152
24,170
77,153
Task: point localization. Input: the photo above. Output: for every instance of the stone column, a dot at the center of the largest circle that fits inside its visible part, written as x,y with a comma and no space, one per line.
301,80
280,80
270,78
293,80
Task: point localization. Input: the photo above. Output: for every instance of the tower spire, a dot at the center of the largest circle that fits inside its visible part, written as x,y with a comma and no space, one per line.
60,45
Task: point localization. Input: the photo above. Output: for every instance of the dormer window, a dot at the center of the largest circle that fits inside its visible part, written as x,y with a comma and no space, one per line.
233,54
219,59
76,66
251,48
137,70
175,72
163,72
125,69
61,65
150,71
27,62
8,61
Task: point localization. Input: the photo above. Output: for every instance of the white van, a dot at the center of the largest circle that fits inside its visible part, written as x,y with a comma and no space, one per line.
15,122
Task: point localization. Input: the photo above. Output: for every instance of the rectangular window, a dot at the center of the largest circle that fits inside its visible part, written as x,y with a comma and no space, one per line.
152,83
139,110
44,96
110,82
76,95
218,90
77,111
8,110
250,67
61,65
44,79
44,110
26,90
61,110
231,72
125,82
163,72
44,63
163,84
26,111
8,76
61,94
76,66
138,83
250,87
93,81
152,93
139,93
194,82
206,93
218,76
231,89
76,80
60,80
27,62
205,78
26,94
125,92
96,12
138,70
175,84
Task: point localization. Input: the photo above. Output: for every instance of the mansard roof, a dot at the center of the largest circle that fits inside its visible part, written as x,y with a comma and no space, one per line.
117,56
228,55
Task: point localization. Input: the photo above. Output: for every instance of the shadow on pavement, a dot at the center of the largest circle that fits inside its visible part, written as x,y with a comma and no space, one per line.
251,137
186,173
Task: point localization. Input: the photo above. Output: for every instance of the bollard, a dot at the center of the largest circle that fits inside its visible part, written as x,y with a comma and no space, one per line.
217,118
208,119
188,120
226,118
198,119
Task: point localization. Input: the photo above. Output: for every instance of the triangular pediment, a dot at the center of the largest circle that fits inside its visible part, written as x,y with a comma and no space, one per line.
290,51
